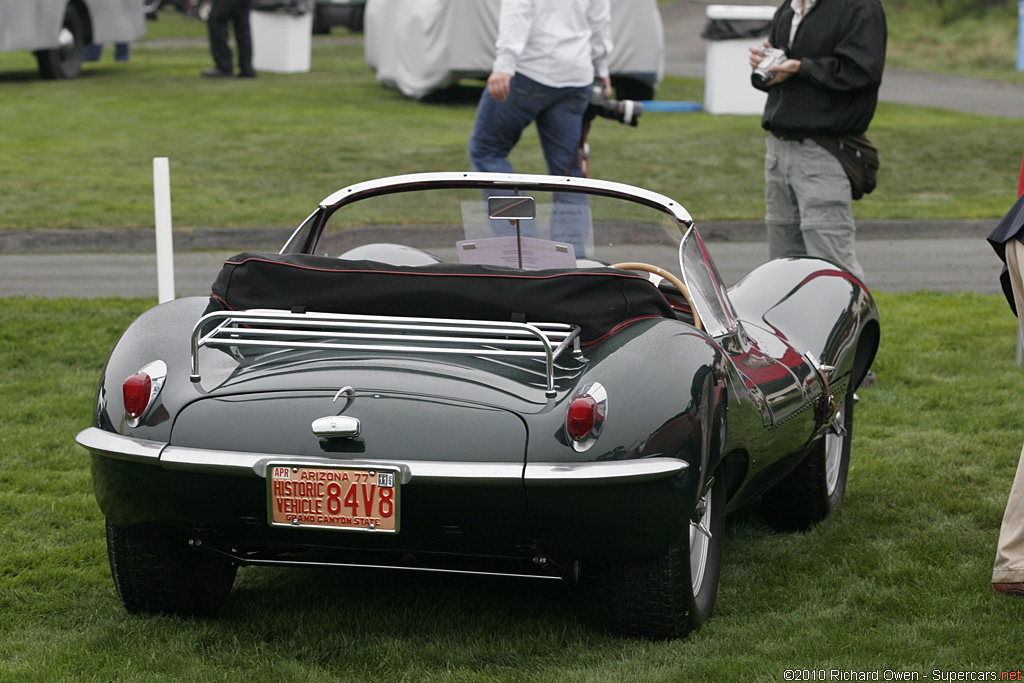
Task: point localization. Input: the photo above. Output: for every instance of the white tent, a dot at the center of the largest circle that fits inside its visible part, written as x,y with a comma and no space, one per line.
421,46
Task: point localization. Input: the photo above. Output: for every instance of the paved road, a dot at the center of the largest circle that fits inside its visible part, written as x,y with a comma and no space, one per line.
944,265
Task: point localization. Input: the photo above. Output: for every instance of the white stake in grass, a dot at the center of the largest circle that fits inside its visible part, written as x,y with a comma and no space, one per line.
164,241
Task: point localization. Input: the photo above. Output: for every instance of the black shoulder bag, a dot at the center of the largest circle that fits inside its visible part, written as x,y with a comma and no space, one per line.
859,158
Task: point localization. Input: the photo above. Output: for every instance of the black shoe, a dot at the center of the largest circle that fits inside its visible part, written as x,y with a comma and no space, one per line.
216,73
247,74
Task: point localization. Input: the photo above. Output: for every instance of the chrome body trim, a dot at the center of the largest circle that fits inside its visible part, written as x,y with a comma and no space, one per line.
256,562
634,471
234,463
388,334
528,182
120,447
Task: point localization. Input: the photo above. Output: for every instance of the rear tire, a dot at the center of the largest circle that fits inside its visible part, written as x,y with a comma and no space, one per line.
815,489
155,571
673,593
65,61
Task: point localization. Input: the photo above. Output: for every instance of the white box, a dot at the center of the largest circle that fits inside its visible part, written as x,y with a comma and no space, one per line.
281,43
727,88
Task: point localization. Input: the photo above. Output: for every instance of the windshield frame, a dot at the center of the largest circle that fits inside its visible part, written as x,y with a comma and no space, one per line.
708,292
305,238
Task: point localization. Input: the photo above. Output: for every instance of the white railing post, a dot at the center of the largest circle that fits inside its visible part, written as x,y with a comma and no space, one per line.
164,241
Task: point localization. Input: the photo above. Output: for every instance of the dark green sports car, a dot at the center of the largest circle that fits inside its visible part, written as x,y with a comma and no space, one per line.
464,372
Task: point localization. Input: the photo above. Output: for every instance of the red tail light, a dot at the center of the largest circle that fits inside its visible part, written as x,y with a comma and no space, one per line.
141,389
580,420
585,418
137,390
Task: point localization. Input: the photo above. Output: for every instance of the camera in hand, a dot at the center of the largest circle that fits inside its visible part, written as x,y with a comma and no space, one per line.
625,112
773,56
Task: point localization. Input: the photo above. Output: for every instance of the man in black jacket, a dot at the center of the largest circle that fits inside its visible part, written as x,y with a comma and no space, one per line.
826,88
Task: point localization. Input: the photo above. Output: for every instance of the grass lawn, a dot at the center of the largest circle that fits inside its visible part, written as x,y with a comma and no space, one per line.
982,43
897,581
263,152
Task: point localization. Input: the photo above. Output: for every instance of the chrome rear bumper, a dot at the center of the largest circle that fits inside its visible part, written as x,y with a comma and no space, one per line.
243,464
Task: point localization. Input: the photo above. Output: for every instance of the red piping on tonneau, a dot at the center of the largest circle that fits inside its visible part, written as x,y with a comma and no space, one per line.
620,327
427,272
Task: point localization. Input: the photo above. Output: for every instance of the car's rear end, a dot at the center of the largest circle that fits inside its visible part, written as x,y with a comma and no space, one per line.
441,426
443,416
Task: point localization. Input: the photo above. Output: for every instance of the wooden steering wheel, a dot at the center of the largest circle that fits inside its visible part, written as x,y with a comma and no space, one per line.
661,272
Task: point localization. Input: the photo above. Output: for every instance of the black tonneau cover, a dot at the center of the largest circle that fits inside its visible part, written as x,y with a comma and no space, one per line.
599,300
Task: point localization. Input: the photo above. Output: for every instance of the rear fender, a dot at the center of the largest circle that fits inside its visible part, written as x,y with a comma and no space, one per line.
161,333
666,398
817,307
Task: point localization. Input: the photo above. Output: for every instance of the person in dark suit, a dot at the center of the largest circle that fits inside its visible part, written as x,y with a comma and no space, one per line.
1008,571
222,13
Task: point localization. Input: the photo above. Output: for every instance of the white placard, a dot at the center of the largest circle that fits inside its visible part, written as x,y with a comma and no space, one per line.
502,251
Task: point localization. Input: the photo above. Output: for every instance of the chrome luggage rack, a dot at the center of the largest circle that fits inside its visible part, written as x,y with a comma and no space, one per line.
385,334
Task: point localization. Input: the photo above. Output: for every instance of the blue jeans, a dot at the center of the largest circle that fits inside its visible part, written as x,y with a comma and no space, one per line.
557,112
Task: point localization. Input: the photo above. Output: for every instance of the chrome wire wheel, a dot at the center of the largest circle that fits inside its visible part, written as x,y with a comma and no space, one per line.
700,542
835,440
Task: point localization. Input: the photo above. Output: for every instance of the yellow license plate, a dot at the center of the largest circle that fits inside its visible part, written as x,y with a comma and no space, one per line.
333,498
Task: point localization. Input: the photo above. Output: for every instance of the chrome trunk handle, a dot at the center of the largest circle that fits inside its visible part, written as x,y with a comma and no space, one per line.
336,426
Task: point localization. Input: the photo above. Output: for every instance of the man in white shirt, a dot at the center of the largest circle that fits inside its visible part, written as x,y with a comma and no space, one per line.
549,53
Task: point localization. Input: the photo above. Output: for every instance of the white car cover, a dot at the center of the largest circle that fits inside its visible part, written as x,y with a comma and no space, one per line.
420,46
